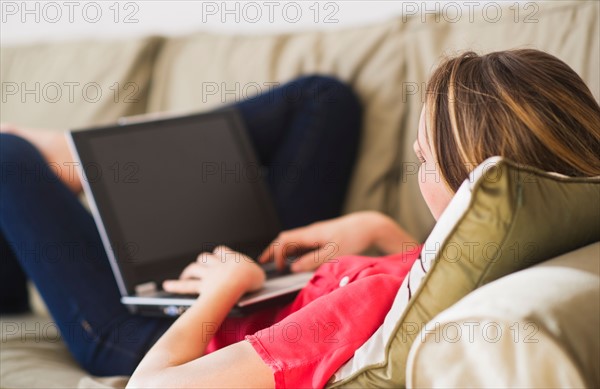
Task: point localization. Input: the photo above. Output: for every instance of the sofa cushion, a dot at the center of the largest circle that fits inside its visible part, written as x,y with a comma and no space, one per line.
30,342
75,84
34,356
504,219
387,64
518,331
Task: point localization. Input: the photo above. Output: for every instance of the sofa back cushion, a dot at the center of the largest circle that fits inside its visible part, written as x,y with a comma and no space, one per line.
75,84
387,64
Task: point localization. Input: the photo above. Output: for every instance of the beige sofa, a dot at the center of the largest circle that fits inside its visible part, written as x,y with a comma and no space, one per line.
71,85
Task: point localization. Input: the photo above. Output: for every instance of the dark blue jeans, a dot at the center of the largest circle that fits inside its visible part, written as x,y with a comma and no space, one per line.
46,235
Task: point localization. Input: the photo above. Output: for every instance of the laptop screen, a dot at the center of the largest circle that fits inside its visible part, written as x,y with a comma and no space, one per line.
167,190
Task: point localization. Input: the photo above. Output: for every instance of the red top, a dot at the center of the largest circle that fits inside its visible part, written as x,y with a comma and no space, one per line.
307,340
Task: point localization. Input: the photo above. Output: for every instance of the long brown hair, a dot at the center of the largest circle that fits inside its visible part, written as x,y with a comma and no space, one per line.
525,105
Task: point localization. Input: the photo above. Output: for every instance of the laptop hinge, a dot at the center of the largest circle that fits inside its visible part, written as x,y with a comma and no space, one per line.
146,288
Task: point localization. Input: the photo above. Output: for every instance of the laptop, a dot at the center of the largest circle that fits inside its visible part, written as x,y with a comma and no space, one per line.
165,190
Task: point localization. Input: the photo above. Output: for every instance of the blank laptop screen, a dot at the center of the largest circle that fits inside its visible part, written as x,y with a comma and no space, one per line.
168,190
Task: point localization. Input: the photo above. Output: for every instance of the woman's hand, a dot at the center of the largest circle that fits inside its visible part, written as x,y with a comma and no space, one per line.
212,270
350,234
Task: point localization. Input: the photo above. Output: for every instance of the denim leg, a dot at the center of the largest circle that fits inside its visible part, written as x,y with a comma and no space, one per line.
306,133
310,126
58,246
14,297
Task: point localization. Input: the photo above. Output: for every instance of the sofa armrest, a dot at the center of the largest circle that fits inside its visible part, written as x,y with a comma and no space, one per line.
534,328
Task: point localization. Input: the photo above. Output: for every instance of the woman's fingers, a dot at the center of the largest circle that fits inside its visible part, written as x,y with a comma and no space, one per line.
314,259
204,257
182,286
287,244
281,252
193,270
225,254
267,254
274,249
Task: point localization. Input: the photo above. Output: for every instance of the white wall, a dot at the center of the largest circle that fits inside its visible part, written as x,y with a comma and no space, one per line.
30,21
33,21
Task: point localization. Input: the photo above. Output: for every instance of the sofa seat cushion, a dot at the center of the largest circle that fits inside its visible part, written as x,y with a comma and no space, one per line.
34,356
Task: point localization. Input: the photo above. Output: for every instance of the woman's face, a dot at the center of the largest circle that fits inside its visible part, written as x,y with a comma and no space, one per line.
434,191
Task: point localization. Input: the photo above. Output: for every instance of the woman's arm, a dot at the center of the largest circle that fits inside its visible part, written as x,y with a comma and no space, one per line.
235,366
176,359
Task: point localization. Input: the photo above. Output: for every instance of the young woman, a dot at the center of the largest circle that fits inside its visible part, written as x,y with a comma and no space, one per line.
525,105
